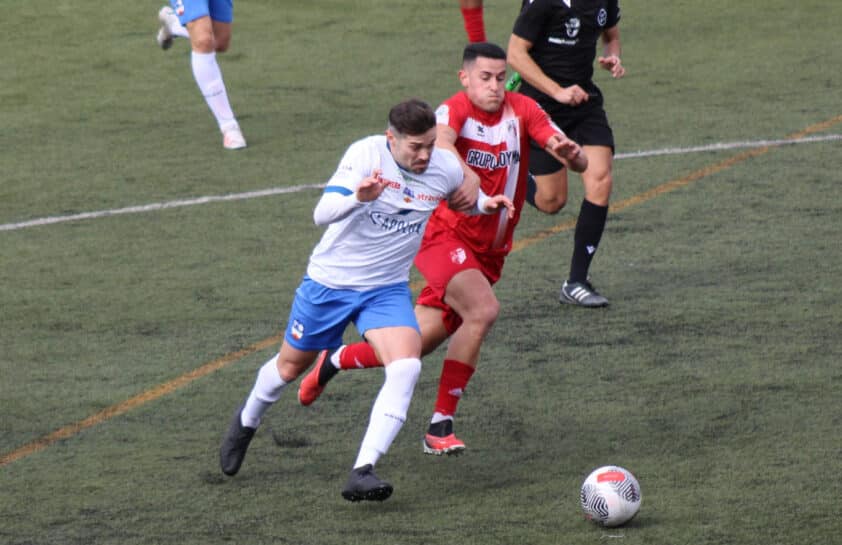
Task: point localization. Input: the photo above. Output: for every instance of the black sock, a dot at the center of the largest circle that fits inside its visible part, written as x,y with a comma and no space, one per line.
441,429
589,229
328,371
531,188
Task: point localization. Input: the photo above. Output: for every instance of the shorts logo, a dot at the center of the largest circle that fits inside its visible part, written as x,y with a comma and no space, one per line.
297,330
458,256
179,7
602,17
573,26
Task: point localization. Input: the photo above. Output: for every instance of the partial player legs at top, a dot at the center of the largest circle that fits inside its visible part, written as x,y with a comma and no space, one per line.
209,33
472,17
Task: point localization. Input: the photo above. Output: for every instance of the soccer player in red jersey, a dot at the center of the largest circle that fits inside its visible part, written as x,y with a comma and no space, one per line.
462,256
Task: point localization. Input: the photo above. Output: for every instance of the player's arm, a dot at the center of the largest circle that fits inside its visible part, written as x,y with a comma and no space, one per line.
567,152
521,61
541,129
356,181
490,205
610,59
337,201
463,199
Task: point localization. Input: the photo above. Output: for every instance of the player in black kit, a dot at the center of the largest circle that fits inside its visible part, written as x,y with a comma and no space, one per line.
552,47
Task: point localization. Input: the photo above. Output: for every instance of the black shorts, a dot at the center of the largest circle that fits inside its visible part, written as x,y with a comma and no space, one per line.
586,125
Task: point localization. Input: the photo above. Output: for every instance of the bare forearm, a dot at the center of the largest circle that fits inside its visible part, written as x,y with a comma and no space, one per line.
521,61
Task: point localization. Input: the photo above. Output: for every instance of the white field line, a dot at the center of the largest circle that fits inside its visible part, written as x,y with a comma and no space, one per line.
157,206
724,146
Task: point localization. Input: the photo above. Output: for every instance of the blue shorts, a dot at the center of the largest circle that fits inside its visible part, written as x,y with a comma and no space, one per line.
320,314
190,10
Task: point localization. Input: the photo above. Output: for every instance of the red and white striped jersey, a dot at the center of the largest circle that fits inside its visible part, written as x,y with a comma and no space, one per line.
496,146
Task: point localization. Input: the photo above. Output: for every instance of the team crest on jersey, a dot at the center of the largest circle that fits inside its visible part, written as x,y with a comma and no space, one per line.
480,130
602,17
408,194
573,25
458,256
297,330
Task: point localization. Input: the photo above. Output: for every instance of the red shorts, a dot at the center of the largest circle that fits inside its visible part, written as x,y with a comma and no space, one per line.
440,258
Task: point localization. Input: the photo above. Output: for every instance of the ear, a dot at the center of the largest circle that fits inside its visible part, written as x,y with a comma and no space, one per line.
463,78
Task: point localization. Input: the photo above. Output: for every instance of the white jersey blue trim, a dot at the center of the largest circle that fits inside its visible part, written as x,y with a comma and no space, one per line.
376,243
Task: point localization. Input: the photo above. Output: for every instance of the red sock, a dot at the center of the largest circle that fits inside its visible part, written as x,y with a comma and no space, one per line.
358,356
474,25
452,383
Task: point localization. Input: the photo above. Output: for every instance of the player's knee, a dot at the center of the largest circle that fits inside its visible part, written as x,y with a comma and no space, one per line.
482,317
552,204
598,188
203,43
402,374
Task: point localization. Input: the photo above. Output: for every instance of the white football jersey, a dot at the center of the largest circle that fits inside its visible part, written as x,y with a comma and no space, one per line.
376,244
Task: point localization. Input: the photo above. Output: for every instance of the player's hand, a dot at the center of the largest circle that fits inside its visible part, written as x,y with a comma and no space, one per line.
370,188
572,152
465,197
572,96
612,64
497,202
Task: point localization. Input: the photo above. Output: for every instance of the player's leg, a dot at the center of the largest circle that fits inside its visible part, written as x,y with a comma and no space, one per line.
210,31
590,226
472,18
387,320
470,296
272,379
362,355
169,28
318,318
597,140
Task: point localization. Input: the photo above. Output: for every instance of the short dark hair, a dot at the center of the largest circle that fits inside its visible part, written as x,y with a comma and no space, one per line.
482,49
412,117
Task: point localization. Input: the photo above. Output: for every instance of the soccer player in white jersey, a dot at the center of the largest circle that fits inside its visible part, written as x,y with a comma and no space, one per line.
461,257
376,205
207,23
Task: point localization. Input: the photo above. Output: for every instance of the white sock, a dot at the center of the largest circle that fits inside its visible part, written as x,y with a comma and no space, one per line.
389,410
334,358
438,417
266,391
209,78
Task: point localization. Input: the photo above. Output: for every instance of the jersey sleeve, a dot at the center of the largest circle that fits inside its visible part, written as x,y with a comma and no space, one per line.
613,9
356,164
530,23
339,197
452,114
453,168
539,125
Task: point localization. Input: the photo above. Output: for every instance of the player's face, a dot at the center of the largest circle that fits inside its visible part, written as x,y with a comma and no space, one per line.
412,152
484,81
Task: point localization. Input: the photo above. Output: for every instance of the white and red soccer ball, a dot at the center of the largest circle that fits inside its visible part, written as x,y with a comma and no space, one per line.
610,496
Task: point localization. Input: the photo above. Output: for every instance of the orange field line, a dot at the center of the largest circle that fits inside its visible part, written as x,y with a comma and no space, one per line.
210,367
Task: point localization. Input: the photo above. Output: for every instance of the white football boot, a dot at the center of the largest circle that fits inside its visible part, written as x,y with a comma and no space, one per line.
232,138
166,15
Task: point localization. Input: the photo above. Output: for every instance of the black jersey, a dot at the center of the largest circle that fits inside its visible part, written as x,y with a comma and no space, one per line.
564,36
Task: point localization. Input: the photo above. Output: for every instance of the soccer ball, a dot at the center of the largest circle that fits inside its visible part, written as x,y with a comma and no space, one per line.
610,496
